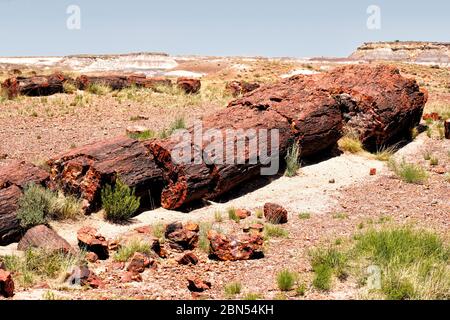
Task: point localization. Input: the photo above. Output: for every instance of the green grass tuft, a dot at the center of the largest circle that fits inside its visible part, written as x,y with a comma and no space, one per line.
292,161
408,172
286,280
127,251
119,202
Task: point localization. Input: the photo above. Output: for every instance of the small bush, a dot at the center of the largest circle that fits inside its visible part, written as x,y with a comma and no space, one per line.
286,280
233,288
259,213
304,215
34,206
434,161
301,290
98,89
414,133
69,87
350,143
145,135
127,251
232,215
274,231
408,172
325,263
119,202
292,161
385,153
253,296
158,230
203,242
218,216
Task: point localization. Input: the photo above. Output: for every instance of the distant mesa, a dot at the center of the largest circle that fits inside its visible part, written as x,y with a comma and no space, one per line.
404,51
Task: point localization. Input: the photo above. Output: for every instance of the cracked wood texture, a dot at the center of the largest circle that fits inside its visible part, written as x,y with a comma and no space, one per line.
13,179
86,170
35,86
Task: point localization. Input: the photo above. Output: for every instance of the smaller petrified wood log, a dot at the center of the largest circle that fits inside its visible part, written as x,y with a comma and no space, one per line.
35,86
86,170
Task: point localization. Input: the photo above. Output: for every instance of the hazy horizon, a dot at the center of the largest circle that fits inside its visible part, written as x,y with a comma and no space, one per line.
235,28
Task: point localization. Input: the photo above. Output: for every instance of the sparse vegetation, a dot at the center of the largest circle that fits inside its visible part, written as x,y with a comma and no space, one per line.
340,215
434,161
292,161
119,202
325,263
98,89
69,87
232,215
301,289
233,288
274,231
38,204
304,215
203,242
218,216
158,230
286,280
350,143
259,213
145,135
408,172
36,265
127,251
253,296
385,153
178,124
414,133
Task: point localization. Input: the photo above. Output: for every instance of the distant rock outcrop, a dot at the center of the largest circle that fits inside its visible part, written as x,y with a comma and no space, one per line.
409,51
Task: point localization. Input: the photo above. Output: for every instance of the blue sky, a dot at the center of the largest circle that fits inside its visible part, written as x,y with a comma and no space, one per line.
214,27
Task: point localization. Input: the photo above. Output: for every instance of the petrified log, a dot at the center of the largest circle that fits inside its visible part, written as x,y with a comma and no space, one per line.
115,82
90,240
189,86
13,178
85,171
35,86
43,237
119,82
275,213
381,105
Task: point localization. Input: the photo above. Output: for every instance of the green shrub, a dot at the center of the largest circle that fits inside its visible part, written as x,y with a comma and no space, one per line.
259,213
145,135
34,206
232,215
119,202
158,230
322,277
408,172
203,242
274,231
233,288
98,89
126,252
301,290
292,161
69,87
325,263
304,215
286,280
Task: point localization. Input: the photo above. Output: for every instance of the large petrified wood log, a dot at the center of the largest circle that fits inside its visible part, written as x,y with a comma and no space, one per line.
35,86
13,179
382,105
43,237
86,170
119,82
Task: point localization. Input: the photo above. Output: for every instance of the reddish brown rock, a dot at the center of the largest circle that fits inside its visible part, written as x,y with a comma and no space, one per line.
144,229
237,88
431,116
131,277
198,285
373,171
275,213
6,284
233,248
188,258
256,227
90,240
189,86
139,262
13,179
91,257
180,238
86,170
192,226
82,276
35,86
243,213
43,237
113,245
